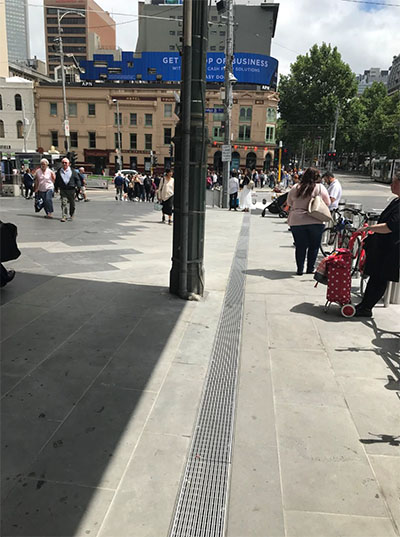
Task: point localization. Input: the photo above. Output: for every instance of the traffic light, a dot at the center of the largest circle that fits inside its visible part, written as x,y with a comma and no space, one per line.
155,161
73,158
330,156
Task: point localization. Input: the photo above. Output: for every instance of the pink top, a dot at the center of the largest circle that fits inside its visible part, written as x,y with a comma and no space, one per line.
45,179
298,215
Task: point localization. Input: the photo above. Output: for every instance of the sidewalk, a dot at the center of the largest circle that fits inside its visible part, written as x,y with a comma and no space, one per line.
103,370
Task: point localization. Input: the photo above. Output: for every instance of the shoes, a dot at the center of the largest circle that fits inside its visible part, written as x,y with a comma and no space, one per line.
116,198
71,218
299,273
86,200
10,276
170,222
48,216
362,311
63,220
310,271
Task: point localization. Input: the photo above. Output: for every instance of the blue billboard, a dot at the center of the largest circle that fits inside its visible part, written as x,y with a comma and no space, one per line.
166,66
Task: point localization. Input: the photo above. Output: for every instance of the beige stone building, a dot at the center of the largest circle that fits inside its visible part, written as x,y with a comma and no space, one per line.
147,122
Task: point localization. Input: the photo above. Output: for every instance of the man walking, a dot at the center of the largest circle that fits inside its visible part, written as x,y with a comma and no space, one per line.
233,188
82,177
119,186
334,190
67,181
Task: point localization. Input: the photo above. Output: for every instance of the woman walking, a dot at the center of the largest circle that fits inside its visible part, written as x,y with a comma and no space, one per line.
306,230
165,194
44,186
382,253
246,186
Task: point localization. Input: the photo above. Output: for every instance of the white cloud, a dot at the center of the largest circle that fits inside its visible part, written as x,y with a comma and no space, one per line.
364,38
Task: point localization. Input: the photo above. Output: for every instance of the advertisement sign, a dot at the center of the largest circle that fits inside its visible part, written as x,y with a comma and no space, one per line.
226,153
166,66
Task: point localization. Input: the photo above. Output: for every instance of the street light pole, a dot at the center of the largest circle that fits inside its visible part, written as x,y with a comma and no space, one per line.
280,162
229,80
119,135
65,107
333,139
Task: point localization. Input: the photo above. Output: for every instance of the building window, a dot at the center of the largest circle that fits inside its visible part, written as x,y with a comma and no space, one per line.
172,47
72,109
270,134
133,163
18,102
271,115
1,102
222,34
133,140
167,136
20,129
222,47
2,135
116,140
148,120
53,109
213,47
116,118
167,110
91,109
218,117
148,142
245,114
74,139
133,119
214,18
92,140
172,32
54,138
218,134
244,133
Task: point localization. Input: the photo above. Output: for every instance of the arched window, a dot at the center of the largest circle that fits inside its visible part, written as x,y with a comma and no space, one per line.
251,161
1,128
18,102
218,161
20,129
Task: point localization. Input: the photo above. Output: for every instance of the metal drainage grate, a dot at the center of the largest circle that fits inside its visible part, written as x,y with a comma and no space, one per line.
202,502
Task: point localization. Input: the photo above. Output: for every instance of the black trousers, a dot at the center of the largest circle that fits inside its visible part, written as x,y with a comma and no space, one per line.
374,291
307,239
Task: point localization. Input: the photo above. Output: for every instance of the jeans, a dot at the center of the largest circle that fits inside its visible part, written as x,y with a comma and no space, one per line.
67,198
233,201
119,191
47,198
307,239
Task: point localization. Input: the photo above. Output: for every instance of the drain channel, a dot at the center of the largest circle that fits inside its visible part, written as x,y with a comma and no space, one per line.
202,502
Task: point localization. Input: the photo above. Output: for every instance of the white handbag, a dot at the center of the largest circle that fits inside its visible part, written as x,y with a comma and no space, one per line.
318,209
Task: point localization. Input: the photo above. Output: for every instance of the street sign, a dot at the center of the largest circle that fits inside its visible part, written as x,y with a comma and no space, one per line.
226,153
214,110
66,127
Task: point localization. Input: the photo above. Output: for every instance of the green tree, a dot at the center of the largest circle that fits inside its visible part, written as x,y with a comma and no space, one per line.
318,83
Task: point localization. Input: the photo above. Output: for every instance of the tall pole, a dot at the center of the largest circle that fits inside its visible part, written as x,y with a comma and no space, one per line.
280,162
333,138
65,107
24,119
119,136
187,272
228,99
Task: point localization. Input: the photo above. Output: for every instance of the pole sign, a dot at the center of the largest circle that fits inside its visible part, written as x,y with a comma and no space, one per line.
214,110
166,66
226,153
66,127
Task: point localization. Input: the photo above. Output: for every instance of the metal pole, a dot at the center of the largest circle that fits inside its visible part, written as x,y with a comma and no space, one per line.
186,124
119,135
228,99
23,124
65,108
280,162
333,137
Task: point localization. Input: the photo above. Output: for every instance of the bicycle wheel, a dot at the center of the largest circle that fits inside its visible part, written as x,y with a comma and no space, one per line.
328,241
363,284
356,252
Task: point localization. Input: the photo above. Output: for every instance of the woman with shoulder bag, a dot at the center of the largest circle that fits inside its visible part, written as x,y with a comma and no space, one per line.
306,229
165,194
246,186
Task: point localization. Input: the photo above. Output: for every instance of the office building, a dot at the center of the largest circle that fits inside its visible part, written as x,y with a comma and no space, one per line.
393,83
375,74
161,26
17,24
89,29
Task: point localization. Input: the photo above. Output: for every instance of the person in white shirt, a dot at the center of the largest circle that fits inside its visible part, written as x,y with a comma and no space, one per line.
233,189
334,190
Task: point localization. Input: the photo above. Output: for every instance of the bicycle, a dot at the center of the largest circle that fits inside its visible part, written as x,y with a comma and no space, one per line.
356,246
338,235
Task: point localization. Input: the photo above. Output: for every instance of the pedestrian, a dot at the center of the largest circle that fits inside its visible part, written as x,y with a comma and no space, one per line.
44,186
165,194
246,186
382,253
214,179
119,186
153,190
272,179
82,177
306,230
147,181
8,251
67,182
233,188
28,181
334,190
131,187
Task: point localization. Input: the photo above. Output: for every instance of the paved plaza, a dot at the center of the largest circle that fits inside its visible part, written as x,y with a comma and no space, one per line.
103,373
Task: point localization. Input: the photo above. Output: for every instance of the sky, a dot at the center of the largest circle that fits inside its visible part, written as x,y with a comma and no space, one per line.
365,34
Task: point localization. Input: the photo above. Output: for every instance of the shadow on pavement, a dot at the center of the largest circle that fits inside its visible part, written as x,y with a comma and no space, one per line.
82,362
271,274
382,439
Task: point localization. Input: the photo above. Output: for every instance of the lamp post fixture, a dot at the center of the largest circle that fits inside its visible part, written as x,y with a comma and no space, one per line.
115,101
65,108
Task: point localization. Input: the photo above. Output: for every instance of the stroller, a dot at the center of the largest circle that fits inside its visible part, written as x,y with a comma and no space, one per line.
335,272
277,206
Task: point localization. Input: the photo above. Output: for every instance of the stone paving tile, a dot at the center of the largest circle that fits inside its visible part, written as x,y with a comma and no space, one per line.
387,470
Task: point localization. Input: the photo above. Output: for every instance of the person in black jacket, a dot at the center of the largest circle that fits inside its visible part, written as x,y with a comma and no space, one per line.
382,253
67,181
28,184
